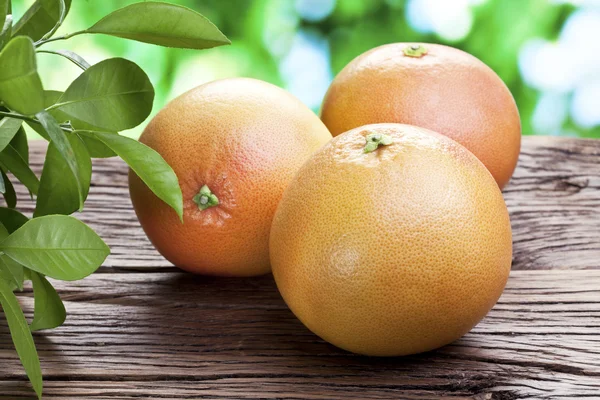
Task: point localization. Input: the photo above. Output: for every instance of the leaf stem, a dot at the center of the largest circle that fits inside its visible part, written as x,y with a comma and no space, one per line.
18,116
63,14
80,62
42,42
64,127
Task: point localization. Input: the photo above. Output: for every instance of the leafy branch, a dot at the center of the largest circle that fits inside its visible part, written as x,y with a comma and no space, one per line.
80,123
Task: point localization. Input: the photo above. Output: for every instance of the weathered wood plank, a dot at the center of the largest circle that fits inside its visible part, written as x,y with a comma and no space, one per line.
553,198
172,335
554,203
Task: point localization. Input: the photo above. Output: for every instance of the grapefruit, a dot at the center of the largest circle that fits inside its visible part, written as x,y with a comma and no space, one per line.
391,240
234,144
435,87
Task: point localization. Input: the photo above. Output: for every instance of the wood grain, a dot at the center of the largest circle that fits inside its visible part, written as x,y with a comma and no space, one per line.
553,199
171,335
139,330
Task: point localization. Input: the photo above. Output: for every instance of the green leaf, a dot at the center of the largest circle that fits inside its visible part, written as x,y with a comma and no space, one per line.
27,274
96,148
20,144
21,336
12,219
148,165
57,246
62,12
10,271
69,55
162,24
8,129
10,196
3,232
114,94
5,22
4,9
13,161
63,145
49,311
50,98
58,191
20,85
40,18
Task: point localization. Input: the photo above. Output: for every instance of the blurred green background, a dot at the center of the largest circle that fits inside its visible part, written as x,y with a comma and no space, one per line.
547,51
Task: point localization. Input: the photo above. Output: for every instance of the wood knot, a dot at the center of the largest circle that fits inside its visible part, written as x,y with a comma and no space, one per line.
571,185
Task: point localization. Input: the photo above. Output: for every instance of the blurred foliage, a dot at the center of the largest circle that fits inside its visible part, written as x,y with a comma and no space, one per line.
263,32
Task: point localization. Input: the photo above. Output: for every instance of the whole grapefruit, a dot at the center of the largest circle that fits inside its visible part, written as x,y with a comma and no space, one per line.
435,87
391,240
234,144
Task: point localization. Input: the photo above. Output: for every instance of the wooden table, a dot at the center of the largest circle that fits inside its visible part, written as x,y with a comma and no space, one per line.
139,328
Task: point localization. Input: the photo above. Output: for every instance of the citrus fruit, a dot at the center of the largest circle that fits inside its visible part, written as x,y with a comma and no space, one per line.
391,240
435,87
234,145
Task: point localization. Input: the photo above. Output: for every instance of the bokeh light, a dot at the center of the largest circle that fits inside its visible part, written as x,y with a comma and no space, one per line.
546,51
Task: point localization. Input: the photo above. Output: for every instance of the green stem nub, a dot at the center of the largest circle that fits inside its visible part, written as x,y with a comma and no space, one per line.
415,50
374,140
205,198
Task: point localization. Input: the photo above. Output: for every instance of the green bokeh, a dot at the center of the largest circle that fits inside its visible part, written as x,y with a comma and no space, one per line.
262,32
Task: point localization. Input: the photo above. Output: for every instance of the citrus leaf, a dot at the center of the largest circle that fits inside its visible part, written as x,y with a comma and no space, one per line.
148,165
20,85
10,196
114,94
19,142
5,22
8,130
12,219
21,336
69,55
63,145
5,9
13,161
40,18
50,98
49,311
58,194
162,24
10,270
57,246
62,13
3,232
96,148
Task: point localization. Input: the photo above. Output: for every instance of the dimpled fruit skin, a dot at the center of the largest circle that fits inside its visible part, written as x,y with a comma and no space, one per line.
243,138
393,252
446,90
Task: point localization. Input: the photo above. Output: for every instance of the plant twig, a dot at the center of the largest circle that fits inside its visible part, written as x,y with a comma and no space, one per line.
42,42
63,14
18,116
64,127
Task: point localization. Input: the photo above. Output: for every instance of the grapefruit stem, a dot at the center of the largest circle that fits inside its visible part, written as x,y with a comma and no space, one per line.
374,140
205,198
415,50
